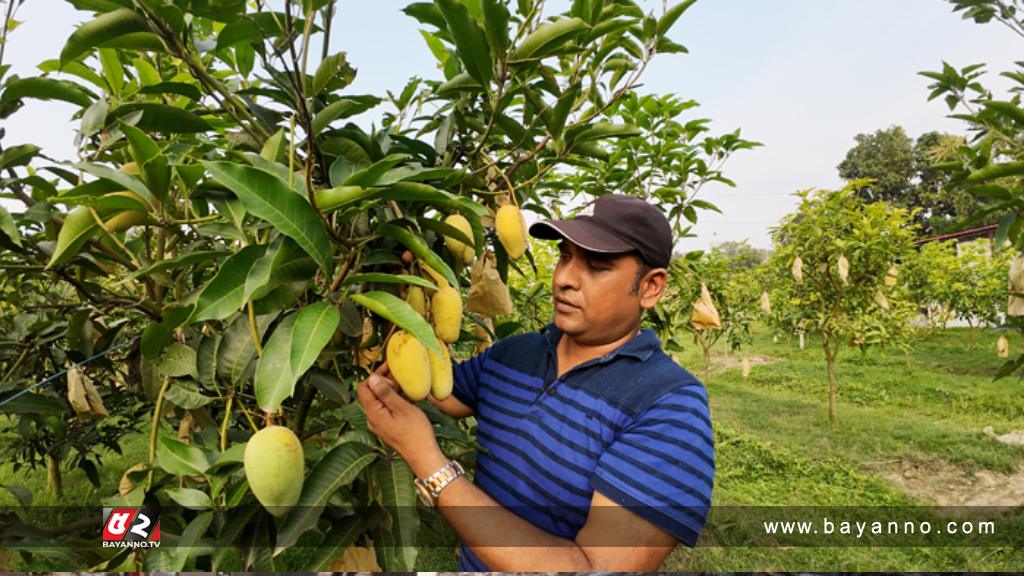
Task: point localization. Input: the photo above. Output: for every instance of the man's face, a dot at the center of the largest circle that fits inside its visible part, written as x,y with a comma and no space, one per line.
593,294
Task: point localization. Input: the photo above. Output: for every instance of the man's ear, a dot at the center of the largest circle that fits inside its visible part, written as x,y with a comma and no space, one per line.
652,286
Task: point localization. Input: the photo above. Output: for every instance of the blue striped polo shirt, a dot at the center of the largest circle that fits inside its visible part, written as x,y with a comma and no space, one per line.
632,425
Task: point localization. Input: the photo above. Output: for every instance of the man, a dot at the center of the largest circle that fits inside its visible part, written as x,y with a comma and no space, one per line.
597,451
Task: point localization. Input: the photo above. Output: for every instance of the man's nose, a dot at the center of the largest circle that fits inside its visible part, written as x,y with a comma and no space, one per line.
566,276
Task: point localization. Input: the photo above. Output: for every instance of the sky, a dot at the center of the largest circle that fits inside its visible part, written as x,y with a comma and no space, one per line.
803,77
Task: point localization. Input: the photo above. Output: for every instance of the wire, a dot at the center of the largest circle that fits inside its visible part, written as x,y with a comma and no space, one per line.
65,371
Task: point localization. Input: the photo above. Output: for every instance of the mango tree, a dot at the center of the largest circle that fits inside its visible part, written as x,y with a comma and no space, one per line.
228,210
989,163
832,258
965,281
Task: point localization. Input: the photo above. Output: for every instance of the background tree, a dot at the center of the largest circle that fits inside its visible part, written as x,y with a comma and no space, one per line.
741,255
854,306
965,281
902,174
987,165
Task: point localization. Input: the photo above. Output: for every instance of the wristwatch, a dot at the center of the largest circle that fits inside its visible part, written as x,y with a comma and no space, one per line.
428,490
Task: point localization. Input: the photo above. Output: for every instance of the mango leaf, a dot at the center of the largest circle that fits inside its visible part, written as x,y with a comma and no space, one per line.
427,13
496,19
313,329
329,68
18,155
126,181
46,89
337,468
273,381
189,91
399,312
180,261
235,522
180,459
269,198
79,226
671,15
185,394
237,347
419,247
8,227
190,498
600,131
177,360
104,27
390,279
162,118
995,171
547,39
341,109
335,542
369,176
188,540
461,82
225,293
396,546
150,160
469,39
206,359
141,41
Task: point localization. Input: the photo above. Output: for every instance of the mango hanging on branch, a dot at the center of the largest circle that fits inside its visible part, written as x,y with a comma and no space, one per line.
797,269
705,315
418,300
511,227
442,379
463,252
446,308
274,466
409,363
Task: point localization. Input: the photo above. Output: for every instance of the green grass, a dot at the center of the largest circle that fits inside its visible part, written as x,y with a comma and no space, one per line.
775,446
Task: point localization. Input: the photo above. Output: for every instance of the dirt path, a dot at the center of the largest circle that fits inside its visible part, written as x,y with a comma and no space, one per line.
935,481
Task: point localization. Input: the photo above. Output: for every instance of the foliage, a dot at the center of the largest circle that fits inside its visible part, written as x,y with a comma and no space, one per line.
965,281
664,160
989,164
902,174
228,208
741,255
733,296
860,311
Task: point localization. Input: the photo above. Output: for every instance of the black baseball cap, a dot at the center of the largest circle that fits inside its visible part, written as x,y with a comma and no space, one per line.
615,224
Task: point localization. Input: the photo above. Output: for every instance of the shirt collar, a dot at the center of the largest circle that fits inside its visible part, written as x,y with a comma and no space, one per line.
640,346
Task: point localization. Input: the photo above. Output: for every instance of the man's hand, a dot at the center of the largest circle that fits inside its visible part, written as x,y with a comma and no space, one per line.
399,423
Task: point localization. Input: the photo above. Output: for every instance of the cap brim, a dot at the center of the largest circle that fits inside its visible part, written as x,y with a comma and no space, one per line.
582,232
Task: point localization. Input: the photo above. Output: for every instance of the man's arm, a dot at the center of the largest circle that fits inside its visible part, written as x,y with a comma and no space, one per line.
613,538
452,406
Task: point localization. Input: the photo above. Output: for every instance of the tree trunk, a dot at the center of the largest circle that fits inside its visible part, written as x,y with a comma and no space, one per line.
833,388
970,337
801,340
707,362
53,478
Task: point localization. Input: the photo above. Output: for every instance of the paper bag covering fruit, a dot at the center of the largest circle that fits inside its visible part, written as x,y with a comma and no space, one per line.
488,295
705,315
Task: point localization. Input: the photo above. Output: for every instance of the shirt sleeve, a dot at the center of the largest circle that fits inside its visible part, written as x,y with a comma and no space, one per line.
661,466
467,378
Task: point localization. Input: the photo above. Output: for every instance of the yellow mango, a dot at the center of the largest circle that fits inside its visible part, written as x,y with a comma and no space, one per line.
409,364
418,300
125,220
446,307
441,377
274,467
462,251
511,228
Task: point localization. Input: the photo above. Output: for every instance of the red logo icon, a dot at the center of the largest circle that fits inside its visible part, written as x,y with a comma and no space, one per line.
131,528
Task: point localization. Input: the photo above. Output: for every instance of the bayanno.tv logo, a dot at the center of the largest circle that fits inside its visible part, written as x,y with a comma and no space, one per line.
131,528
